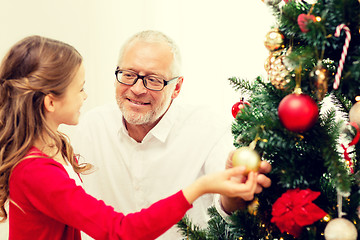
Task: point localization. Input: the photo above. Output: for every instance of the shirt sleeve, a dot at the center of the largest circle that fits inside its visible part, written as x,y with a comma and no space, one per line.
48,187
219,208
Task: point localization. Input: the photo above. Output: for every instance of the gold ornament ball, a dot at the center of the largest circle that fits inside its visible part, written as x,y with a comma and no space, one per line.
274,40
340,229
246,156
354,113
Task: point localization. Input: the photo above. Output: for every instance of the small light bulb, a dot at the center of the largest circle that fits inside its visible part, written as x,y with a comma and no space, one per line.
326,218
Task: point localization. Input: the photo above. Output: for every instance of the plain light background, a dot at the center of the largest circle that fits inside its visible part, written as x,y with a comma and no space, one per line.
217,40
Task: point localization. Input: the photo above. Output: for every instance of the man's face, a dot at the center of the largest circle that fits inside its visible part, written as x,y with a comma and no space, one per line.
138,104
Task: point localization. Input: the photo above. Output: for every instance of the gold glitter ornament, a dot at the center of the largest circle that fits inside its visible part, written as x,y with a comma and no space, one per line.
274,40
319,81
253,206
278,73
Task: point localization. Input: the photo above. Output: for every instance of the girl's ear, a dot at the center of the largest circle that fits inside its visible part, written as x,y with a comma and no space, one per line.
49,103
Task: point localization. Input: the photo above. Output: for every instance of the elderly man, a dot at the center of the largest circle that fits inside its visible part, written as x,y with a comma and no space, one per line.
148,146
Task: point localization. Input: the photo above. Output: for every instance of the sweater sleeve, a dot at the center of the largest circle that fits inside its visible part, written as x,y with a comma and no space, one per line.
47,186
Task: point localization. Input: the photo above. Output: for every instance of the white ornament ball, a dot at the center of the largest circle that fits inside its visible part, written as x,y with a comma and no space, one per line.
340,229
354,113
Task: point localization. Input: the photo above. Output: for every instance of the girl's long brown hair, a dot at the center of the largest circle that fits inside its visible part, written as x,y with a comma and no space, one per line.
33,67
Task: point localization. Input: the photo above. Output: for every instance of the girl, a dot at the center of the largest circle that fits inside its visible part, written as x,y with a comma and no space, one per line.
41,87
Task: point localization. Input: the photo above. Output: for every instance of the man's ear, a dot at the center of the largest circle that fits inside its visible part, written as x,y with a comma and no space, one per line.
177,88
49,103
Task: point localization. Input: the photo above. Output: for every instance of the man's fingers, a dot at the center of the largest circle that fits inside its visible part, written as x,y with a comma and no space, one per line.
265,167
264,181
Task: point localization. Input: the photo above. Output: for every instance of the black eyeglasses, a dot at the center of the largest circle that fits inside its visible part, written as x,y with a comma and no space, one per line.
151,82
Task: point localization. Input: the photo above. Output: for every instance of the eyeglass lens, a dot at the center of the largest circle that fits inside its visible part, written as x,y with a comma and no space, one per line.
151,82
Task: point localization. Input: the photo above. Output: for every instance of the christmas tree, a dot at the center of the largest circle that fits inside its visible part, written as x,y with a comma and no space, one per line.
303,118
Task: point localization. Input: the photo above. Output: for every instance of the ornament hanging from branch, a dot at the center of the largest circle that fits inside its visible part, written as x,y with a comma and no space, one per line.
319,81
343,54
238,106
278,72
298,112
354,113
247,156
354,141
274,40
340,228
303,20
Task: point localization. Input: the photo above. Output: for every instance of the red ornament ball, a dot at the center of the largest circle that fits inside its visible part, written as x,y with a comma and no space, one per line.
236,108
298,112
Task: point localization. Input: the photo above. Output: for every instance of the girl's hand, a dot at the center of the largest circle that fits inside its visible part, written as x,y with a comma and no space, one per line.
262,180
231,204
230,182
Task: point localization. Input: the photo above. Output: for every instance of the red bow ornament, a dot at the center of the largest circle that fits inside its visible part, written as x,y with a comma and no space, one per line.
353,142
303,20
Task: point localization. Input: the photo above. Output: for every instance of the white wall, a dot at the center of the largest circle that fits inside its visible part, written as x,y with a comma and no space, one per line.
218,40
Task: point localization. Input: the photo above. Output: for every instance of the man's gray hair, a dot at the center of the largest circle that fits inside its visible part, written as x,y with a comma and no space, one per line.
156,36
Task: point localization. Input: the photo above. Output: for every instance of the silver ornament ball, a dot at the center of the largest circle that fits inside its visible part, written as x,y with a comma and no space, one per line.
354,113
340,229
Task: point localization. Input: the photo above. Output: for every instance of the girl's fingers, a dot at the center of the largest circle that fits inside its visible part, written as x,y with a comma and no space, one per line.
236,171
229,160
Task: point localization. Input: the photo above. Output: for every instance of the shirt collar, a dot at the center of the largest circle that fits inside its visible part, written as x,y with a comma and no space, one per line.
162,130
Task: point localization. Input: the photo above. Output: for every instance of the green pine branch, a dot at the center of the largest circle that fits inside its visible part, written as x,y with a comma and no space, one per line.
190,231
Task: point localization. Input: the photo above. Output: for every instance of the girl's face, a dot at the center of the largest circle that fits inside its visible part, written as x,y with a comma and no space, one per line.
67,108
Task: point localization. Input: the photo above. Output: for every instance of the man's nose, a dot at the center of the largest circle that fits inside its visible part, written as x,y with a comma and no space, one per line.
139,87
